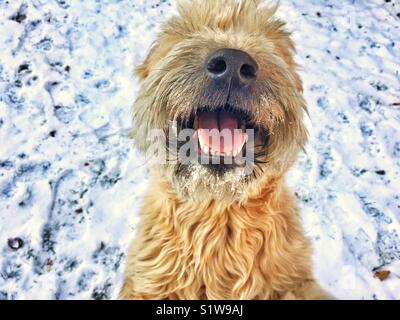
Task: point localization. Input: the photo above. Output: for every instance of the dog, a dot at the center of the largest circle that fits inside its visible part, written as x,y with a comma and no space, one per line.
221,230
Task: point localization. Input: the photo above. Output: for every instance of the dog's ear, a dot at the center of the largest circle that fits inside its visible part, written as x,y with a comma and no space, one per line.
142,71
158,51
286,50
284,46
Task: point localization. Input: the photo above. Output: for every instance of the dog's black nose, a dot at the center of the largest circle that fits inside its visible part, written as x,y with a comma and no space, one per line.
232,65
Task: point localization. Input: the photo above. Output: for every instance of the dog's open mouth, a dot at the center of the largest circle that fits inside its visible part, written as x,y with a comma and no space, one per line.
221,139
220,133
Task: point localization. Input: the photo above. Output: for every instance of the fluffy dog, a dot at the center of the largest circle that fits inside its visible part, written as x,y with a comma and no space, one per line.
216,231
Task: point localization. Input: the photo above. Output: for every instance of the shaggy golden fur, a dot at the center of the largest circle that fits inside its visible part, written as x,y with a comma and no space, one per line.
207,236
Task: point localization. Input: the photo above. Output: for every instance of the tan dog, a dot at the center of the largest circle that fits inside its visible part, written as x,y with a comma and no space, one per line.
213,231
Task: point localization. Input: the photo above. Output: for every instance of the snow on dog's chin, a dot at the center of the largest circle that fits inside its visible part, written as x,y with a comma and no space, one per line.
201,182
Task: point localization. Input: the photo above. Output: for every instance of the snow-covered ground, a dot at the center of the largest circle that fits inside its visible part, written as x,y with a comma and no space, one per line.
71,184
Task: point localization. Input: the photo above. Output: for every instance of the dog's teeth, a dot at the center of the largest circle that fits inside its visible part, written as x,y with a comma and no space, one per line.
246,137
240,149
200,137
203,145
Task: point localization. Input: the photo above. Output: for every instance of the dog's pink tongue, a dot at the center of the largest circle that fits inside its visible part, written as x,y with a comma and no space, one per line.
225,138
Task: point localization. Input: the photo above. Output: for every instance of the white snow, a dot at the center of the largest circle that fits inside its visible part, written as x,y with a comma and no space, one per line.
73,199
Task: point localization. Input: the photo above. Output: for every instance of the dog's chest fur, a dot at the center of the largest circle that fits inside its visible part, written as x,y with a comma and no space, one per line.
213,250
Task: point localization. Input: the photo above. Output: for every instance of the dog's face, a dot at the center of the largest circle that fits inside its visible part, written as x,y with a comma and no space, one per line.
225,65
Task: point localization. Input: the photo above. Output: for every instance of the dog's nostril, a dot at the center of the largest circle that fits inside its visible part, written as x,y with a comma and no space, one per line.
248,71
216,66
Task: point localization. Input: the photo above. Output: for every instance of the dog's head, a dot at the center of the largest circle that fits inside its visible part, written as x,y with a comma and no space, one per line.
225,65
